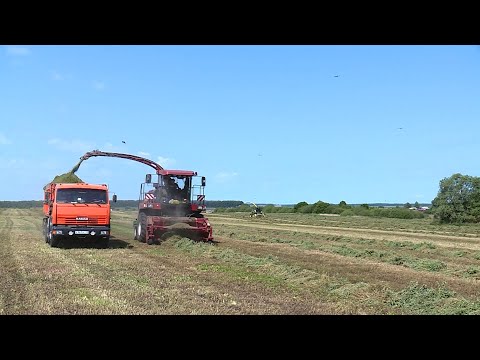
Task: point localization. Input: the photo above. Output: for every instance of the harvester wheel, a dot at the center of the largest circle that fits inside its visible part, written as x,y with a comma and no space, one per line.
142,227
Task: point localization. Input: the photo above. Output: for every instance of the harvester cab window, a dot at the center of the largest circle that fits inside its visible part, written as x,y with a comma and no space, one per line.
172,188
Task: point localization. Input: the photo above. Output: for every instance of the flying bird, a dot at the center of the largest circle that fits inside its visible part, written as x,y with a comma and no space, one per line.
400,128
123,142
336,75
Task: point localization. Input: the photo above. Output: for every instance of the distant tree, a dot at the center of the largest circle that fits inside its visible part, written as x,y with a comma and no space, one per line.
21,204
301,204
306,209
342,203
417,205
458,199
407,205
320,207
365,206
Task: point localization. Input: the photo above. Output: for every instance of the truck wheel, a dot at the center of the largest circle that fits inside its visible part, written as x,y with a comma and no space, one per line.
50,237
46,229
142,227
53,240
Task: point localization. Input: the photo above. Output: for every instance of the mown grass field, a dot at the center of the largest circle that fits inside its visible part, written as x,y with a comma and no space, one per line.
281,264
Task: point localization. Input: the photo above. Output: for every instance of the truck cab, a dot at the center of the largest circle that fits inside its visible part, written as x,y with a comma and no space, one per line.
76,210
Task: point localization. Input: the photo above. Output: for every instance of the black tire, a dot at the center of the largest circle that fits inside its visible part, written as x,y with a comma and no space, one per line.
45,229
142,227
54,241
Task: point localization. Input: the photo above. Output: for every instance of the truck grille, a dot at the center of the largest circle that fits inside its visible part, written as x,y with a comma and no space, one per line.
91,221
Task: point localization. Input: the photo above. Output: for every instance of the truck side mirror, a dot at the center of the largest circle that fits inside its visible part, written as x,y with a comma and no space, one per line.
148,178
203,181
114,197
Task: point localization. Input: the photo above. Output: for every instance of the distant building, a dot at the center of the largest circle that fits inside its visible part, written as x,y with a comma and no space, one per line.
422,208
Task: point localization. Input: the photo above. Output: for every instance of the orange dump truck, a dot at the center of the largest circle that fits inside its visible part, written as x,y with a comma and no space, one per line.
76,210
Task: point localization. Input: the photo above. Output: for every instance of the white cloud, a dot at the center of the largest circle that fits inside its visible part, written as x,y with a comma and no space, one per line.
57,76
225,176
103,173
4,140
144,154
17,51
49,164
165,162
11,163
74,145
99,85
109,147
62,109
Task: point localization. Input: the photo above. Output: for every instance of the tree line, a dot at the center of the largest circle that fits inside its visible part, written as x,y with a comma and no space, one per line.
342,209
457,201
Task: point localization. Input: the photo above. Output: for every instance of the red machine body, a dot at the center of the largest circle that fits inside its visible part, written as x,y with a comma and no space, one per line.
173,202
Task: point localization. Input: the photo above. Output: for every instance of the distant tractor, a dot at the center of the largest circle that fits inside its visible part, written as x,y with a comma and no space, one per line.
256,211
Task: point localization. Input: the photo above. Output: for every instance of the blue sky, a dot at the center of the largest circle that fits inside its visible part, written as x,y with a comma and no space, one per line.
268,124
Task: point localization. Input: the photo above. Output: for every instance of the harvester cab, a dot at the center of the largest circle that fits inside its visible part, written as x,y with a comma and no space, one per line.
181,188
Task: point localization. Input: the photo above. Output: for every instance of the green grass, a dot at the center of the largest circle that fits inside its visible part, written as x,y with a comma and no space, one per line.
422,256
420,299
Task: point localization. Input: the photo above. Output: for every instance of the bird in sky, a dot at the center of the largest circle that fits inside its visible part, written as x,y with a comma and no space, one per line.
336,75
400,128
123,142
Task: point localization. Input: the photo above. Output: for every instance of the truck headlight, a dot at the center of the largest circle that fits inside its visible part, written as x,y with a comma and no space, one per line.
70,233
92,233
104,232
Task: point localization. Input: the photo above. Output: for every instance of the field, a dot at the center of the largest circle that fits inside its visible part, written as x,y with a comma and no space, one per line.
281,264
